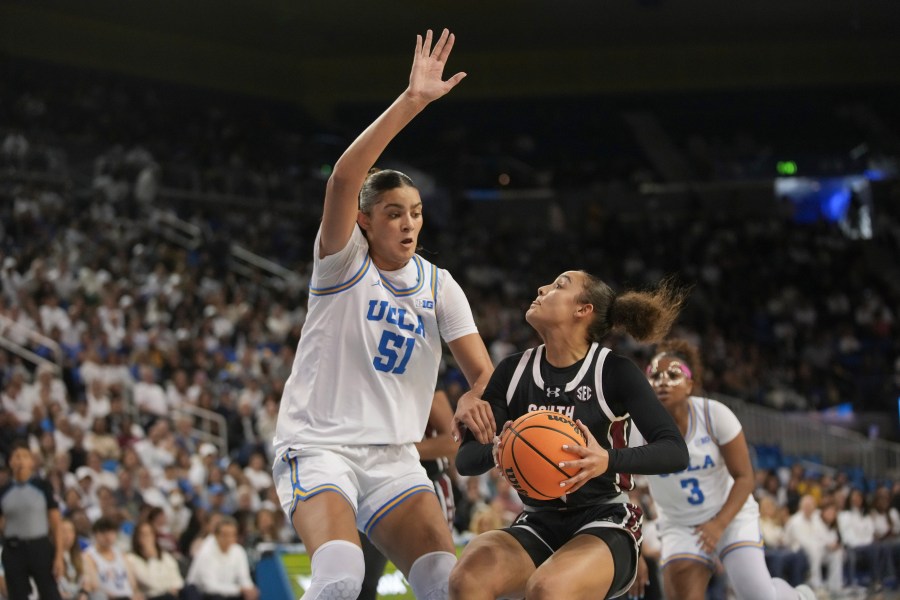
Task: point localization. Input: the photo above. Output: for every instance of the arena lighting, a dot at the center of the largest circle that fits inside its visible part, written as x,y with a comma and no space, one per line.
786,167
846,201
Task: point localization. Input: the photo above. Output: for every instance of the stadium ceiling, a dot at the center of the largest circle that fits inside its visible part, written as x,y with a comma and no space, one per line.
515,47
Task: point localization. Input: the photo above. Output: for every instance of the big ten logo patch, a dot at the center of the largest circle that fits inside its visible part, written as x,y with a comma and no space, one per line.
421,303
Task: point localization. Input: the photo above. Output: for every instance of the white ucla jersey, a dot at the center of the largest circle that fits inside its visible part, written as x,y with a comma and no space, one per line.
369,352
112,574
696,494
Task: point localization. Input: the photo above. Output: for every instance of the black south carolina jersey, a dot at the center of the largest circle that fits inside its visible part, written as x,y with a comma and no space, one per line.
608,393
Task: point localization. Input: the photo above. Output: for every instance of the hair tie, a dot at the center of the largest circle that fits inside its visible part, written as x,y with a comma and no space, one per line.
610,310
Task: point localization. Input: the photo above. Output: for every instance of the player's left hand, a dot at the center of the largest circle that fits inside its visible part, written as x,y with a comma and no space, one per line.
641,580
708,535
497,450
594,460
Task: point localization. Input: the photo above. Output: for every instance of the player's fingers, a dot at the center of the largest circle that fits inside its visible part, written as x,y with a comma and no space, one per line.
418,50
456,430
481,429
488,416
439,44
446,48
575,487
426,46
579,450
585,431
451,83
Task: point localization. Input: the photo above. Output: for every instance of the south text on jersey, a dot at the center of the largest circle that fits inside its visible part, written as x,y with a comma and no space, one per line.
569,411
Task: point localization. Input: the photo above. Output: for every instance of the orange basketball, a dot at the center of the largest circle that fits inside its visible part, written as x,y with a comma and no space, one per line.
532,450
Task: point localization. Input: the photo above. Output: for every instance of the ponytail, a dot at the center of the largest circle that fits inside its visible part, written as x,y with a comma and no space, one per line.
646,316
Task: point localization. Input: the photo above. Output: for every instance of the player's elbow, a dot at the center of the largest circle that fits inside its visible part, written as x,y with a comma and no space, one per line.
681,455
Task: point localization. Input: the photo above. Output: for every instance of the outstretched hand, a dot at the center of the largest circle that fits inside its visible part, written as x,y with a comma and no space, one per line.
426,80
594,461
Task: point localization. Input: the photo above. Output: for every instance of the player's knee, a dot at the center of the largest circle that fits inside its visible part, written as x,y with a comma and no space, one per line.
746,589
464,580
429,576
338,568
544,585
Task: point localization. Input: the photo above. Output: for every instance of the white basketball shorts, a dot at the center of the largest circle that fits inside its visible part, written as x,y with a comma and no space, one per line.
372,479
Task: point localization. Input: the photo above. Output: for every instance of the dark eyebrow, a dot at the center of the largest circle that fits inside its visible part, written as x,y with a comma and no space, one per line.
400,206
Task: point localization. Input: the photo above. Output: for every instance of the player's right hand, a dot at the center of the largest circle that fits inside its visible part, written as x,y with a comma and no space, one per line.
426,79
475,414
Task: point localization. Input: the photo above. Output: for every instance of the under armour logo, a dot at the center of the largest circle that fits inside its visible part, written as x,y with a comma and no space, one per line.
583,393
554,391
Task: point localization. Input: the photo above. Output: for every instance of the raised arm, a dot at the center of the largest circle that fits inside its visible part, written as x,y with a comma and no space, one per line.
426,84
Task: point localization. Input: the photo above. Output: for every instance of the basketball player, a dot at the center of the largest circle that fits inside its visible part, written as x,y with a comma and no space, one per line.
585,544
435,451
360,389
707,510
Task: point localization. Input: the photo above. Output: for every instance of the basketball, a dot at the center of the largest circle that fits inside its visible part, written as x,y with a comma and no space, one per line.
532,451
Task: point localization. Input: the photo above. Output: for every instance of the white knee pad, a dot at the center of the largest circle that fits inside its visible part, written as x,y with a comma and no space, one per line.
429,576
338,568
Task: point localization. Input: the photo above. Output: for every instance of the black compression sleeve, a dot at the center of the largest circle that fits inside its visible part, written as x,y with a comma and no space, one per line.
665,451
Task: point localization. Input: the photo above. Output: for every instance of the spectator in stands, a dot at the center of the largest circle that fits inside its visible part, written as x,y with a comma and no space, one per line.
106,564
220,569
97,399
857,529
155,571
783,561
806,532
74,584
158,518
833,547
886,520
266,527
48,388
257,473
16,402
127,495
149,397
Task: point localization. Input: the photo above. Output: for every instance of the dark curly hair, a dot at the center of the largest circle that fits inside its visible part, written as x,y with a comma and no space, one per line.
687,353
647,316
